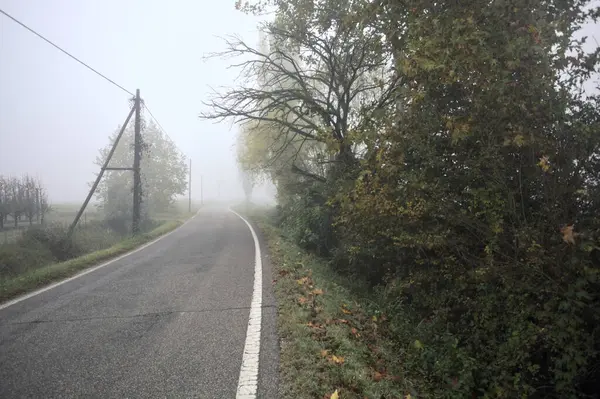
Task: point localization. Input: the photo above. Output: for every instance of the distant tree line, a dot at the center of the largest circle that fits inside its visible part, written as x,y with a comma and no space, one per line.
22,198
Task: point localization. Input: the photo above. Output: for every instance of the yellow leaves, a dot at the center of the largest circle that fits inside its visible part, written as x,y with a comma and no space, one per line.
408,396
346,311
317,291
302,281
332,358
519,140
497,228
334,395
544,163
336,359
568,235
418,344
459,128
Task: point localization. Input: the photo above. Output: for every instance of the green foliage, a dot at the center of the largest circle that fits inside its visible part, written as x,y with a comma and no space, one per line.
490,158
307,223
163,171
469,195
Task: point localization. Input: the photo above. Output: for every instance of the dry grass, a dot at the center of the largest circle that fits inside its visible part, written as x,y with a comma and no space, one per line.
333,336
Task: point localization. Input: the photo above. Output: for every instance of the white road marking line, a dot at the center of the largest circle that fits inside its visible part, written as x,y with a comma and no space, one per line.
86,271
248,381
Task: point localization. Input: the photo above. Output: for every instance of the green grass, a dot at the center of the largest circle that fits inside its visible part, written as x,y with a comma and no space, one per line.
32,279
333,334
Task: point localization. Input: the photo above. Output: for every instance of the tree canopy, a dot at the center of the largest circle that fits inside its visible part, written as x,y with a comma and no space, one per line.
163,171
446,153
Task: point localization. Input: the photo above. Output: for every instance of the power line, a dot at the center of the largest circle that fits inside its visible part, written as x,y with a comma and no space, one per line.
91,69
162,129
67,53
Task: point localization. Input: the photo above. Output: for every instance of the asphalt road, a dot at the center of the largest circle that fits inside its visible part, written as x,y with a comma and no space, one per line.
166,322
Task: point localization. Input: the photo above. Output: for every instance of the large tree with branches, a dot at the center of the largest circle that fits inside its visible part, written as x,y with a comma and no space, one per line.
301,93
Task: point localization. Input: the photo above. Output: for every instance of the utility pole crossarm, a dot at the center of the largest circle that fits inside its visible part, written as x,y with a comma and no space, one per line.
116,168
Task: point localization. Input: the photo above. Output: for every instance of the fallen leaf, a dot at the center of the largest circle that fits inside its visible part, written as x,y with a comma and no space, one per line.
377,376
302,300
346,311
343,321
408,396
302,280
318,291
324,352
568,235
355,332
335,395
337,359
313,325
418,344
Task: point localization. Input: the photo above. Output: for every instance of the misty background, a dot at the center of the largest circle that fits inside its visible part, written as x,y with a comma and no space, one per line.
55,115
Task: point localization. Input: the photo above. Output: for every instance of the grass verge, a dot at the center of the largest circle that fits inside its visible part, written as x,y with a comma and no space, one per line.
333,336
30,280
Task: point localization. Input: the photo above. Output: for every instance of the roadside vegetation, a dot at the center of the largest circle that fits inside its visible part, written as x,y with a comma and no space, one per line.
443,158
39,249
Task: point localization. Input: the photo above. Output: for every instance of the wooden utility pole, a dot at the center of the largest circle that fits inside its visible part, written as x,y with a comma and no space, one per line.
102,170
137,155
190,188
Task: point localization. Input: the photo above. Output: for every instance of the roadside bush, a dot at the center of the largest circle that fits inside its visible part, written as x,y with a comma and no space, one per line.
481,202
39,246
55,238
307,220
96,235
16,259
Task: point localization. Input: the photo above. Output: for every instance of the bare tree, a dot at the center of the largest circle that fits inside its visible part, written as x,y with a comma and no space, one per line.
24,197
304,87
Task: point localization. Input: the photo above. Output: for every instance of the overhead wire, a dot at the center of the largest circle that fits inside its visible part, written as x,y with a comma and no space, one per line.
91,69
163,130
66,52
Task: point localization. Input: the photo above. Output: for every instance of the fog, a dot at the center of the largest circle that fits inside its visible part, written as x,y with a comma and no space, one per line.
55,114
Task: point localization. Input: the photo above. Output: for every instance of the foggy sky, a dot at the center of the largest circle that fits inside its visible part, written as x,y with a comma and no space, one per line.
55,114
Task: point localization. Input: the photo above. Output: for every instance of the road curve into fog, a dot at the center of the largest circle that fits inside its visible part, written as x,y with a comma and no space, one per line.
169,321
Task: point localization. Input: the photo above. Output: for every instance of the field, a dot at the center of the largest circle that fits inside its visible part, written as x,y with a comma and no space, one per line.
64,214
